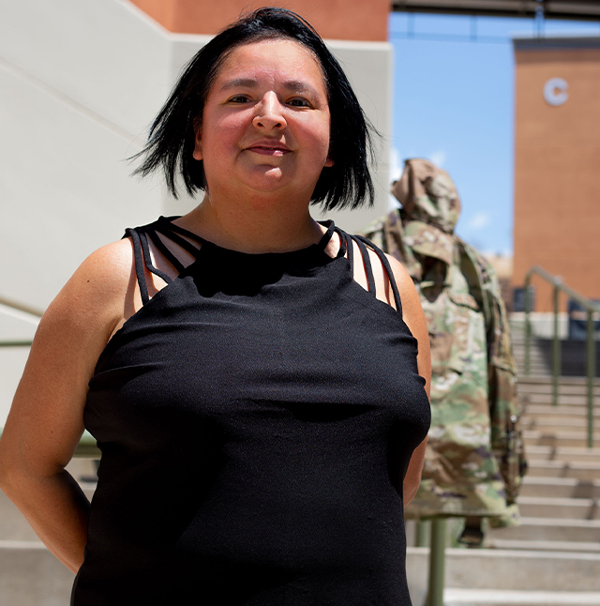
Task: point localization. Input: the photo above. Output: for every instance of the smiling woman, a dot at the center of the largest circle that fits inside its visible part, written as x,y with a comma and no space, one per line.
256,381
265,122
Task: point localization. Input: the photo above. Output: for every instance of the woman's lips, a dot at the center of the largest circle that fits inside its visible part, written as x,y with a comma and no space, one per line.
266,150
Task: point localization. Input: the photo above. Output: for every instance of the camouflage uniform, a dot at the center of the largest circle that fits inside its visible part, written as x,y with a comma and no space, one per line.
474,460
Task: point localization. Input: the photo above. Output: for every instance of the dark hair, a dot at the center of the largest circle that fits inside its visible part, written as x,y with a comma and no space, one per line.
172,135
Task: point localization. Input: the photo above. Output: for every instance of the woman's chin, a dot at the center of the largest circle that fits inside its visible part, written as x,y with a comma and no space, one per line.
267,179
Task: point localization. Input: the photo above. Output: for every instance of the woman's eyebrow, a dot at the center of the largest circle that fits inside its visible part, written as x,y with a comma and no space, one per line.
296,86
239,83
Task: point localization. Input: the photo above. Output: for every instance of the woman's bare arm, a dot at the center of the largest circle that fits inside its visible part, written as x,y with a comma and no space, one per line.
46,419
413,316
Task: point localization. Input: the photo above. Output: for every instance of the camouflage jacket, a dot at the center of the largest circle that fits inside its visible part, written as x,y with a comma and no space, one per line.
475,458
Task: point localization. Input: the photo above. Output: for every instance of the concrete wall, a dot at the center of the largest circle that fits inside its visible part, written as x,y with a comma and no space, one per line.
557,159
81,80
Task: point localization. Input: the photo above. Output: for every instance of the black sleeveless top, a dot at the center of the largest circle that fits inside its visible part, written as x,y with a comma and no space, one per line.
256,418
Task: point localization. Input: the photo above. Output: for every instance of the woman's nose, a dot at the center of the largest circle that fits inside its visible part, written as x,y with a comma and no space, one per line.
269,114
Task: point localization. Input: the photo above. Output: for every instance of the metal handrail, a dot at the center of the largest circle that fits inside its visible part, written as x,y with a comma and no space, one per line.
34,311
592,308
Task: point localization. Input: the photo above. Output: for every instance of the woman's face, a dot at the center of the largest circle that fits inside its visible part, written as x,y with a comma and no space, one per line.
265,124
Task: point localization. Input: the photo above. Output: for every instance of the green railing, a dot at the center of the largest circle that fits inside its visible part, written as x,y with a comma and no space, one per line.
592,308
87,444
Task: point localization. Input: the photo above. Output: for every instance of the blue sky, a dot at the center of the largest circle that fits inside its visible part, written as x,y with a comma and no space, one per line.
453,104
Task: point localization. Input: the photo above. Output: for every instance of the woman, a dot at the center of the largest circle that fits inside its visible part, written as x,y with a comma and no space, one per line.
251,375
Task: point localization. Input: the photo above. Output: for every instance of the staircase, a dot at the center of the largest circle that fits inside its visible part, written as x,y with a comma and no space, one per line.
553,557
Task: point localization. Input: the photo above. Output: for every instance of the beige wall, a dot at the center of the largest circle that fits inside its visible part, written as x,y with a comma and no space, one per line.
334,19
557,166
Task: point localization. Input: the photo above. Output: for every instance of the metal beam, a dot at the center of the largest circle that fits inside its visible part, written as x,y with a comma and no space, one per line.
585,10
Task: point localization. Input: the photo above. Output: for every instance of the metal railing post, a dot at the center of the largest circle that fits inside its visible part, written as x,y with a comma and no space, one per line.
437,562
556,349
592,308
591,374
527,325
422,533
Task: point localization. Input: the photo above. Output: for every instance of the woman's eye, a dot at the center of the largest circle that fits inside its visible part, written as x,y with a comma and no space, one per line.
299,102
239,99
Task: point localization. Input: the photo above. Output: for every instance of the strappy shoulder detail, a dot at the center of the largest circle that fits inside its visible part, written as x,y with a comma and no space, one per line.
141,249
180,236
364,245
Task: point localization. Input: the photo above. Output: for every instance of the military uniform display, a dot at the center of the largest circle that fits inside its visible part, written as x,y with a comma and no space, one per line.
475,457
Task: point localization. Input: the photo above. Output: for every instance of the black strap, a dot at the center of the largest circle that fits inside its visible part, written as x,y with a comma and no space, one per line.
364,253
174,233
141,250
142,259
364,244
388,269
148,260
139,263
346,247
161,246
324,241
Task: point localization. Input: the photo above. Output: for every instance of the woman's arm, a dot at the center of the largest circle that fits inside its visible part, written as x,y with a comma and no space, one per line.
413,316
46,419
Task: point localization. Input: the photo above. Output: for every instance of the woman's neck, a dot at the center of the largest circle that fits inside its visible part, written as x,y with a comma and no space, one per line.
253,226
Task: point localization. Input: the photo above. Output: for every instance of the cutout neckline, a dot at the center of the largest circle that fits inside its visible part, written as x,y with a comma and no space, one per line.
169,226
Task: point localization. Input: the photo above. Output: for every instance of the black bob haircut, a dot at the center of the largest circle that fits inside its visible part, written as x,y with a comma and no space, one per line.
346,184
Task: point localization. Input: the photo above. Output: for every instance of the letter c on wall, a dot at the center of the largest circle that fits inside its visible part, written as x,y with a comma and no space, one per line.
555,91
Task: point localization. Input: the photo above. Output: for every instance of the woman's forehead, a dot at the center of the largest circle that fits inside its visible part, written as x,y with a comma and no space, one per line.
271,58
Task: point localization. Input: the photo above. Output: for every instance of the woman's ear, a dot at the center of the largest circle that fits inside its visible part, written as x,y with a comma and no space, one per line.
328,162
197,155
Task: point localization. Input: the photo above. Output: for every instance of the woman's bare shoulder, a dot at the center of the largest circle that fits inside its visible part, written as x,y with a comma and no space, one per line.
406,287
99,294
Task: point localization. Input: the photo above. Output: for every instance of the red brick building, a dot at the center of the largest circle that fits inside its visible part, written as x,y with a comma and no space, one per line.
557,163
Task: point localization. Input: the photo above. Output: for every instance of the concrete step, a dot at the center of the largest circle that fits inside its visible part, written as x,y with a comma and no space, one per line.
543,384
559,438
574,404
536,452
582,470
566,488
572,357
566,454
569,546
31,576
507,597
545,425
556,413
544,507
590,455
549,529
494,569
536,369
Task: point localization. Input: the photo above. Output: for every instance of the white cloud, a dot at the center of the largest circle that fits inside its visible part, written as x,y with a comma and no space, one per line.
479,221
438,157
